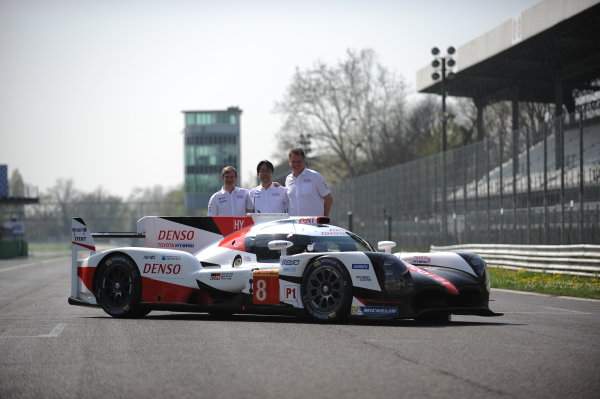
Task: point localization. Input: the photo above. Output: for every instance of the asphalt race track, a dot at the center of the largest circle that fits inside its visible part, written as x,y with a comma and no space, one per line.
544,347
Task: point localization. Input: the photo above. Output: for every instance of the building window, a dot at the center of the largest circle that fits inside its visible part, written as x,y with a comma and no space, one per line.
210,118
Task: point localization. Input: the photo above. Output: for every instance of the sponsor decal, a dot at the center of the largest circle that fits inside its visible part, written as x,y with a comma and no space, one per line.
247,258
178,245
290,262
77,239
79,229
307,220
149,257
169,257
374,311
238,224
221,276
176,235
360,266
422,260
162,268
332,233
363,278
289,269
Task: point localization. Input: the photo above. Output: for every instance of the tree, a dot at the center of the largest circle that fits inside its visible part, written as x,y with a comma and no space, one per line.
423,131
16,184
64,195
173,203
353,112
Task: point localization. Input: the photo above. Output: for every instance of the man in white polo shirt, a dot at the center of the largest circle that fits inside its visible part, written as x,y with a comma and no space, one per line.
307,191
230,200
268,198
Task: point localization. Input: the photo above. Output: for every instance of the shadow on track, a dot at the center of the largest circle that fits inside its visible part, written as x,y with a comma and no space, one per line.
283,319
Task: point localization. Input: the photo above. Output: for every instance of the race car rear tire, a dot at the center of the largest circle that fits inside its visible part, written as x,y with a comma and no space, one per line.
119,286
326,290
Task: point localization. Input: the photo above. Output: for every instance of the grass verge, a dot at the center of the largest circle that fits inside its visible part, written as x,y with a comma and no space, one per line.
49,247
545,283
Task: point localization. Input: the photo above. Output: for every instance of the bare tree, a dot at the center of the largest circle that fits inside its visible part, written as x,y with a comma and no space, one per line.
423,133
352,111
16,184
64,195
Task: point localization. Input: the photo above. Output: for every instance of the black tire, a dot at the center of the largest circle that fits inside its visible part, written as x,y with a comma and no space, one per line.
326,290
118,288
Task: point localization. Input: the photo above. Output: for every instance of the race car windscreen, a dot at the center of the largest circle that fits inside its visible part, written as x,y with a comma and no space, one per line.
304,243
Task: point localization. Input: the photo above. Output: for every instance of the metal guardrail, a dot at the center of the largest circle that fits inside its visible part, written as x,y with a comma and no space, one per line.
581,259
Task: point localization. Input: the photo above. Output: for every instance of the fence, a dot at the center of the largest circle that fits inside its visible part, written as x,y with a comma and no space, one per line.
580,259
534,187
51,221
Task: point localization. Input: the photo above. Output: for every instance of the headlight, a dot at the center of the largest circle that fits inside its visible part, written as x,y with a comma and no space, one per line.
396,277
478,265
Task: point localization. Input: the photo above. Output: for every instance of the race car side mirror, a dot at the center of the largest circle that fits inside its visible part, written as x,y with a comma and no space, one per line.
386,246
280,245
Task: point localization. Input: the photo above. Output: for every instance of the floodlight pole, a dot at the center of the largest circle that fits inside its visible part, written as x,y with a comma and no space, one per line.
444,148
443,61
444,125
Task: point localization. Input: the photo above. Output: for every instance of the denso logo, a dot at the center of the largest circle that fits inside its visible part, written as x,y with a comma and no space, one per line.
360,266
176,235
162,268
290,262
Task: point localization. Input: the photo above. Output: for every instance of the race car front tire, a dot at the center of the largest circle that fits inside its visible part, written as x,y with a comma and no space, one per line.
118,287
326,290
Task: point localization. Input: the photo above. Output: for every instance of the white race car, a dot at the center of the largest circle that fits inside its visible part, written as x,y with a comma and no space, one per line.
271,263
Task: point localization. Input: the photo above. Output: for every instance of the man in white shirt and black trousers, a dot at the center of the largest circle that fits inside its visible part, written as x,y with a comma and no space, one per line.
268,198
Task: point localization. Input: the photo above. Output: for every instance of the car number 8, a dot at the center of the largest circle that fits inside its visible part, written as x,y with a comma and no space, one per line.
261,290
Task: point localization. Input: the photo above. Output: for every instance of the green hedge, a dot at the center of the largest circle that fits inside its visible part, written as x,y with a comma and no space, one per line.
13,249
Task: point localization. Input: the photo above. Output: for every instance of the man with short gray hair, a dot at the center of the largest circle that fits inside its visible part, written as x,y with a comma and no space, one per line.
307,191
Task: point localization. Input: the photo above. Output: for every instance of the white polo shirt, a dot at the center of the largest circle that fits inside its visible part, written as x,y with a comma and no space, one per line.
306,193
222,203
269,200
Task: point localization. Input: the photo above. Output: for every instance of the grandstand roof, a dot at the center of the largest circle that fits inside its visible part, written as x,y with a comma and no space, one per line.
555,40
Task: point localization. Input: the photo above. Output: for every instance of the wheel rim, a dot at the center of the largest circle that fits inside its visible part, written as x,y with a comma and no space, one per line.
325,289
116,286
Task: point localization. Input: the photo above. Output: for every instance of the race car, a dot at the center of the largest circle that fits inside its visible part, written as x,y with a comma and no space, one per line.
271,264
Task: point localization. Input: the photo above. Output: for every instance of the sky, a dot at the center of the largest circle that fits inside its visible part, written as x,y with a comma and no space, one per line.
94,90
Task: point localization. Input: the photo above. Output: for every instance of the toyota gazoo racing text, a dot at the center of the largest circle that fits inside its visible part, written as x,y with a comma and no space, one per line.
271,263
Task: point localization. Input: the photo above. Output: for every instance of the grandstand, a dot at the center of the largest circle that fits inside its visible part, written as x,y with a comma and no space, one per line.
547,54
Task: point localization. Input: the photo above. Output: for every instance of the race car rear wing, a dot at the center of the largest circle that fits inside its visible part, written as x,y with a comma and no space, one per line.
82,240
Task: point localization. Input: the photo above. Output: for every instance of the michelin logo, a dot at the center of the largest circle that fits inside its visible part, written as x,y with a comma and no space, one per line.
374,311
